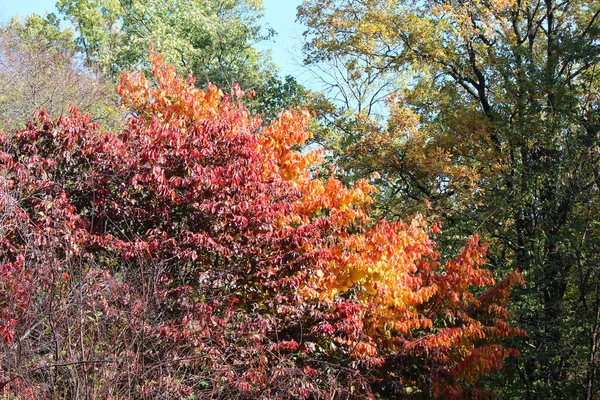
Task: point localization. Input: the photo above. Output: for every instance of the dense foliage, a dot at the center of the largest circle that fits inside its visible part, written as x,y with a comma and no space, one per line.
493,128
213,38
198,254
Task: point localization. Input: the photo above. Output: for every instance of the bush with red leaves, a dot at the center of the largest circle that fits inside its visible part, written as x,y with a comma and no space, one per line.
197,254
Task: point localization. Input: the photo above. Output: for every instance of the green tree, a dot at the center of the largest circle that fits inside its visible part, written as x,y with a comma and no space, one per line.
275,94
496,131
211,38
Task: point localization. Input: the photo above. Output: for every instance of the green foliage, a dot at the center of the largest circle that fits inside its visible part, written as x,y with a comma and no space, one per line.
212,38
275,94
46,29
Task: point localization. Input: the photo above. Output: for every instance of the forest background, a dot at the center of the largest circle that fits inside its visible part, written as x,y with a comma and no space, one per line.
479,117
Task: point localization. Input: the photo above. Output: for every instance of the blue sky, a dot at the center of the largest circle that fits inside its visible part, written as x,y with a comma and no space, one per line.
286,48
10,8
287,45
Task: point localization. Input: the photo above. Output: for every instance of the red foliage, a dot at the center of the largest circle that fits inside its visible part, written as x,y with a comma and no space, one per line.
197,253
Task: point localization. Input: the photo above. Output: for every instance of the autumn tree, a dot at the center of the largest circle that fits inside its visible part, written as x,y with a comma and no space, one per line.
496,130
199,253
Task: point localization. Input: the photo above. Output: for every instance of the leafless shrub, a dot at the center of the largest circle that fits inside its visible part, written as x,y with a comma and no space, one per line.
39,68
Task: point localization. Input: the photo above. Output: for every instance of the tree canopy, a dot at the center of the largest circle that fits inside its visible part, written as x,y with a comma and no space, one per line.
211,38
496,131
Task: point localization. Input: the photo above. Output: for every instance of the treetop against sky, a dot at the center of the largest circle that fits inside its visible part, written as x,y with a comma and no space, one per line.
280,15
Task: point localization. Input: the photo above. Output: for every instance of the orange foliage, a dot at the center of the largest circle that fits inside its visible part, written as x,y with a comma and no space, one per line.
387,290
